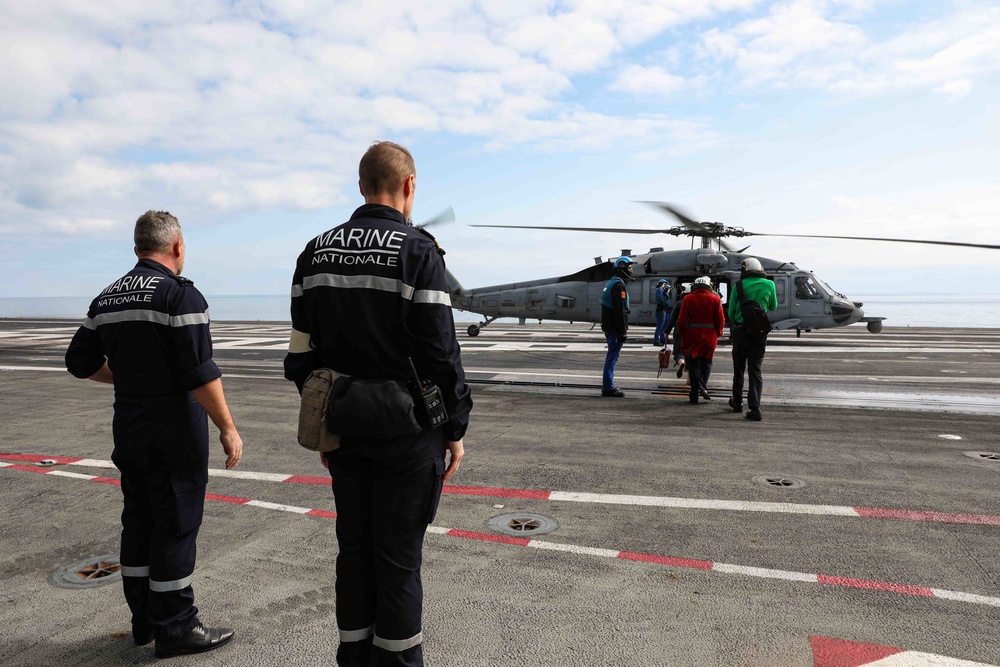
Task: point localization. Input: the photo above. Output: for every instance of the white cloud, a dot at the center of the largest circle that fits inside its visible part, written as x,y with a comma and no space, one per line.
815,44
647,81
217,107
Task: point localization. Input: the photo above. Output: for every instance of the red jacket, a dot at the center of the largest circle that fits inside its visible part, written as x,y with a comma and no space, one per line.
700,308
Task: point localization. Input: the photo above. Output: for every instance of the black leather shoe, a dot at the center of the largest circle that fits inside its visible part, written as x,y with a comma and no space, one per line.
613,393
754,415
142,637
705,395
680,369
196,640
737,407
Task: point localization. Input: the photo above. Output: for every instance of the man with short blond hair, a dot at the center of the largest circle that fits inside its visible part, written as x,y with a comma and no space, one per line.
368,298
384,167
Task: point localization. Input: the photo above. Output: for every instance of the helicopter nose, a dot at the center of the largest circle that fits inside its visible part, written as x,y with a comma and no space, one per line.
846,312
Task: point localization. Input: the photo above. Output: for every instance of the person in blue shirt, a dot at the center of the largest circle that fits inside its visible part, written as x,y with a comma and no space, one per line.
663,308
614,322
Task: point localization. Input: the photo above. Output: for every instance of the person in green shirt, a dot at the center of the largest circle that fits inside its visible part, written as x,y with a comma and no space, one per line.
748,352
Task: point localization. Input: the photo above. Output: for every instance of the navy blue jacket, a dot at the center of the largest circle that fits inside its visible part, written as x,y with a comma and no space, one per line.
152,327
371,293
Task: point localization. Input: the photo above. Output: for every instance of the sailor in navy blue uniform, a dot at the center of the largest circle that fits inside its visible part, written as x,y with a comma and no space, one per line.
367,297
148,334
614,322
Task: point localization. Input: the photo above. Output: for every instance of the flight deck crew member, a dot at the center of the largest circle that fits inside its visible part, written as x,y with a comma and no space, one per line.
367,297
699,325
748,353
148,334
675,312
614,322
663,308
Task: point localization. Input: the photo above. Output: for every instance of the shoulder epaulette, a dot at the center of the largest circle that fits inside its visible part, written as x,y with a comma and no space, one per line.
183,280
431,237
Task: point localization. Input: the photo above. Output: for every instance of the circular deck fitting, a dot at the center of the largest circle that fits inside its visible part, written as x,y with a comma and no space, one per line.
522,524
89,573
984,456
46,463
949,436
779,481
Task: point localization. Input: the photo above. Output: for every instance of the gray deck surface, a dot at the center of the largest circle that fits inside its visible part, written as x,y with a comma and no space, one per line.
858,417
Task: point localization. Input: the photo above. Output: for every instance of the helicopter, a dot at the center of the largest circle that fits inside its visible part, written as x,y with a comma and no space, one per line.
805,302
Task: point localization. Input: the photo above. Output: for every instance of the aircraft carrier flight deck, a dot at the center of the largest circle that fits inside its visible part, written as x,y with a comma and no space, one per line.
863,511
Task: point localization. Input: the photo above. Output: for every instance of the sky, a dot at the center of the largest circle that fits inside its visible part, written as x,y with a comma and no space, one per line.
247,119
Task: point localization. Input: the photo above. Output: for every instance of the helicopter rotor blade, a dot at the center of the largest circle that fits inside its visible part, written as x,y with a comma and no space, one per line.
444,217
611,230
872,238
700,228
676,212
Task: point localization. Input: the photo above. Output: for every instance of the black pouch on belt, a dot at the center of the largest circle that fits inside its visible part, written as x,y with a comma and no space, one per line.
381,409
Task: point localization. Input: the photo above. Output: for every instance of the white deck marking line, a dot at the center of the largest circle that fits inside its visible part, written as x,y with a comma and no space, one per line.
610,499
699,503
669,561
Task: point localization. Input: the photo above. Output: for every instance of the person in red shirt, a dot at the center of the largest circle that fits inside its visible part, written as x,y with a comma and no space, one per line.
700,323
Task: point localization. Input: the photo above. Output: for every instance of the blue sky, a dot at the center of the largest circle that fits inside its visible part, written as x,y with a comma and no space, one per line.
247,120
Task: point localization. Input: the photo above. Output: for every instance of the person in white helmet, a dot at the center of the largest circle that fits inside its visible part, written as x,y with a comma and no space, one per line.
700,323
748,350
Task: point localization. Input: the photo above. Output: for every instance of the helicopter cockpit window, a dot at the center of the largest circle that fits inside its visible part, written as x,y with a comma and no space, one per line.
806,288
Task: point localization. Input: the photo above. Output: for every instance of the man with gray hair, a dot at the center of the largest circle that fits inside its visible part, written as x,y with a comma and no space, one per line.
147,333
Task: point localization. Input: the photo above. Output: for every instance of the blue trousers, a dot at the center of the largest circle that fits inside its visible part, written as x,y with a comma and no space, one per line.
387,493
161,448
615,343
662,317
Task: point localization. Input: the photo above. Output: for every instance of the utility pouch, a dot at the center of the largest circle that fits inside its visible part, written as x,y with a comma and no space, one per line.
313,433
379,409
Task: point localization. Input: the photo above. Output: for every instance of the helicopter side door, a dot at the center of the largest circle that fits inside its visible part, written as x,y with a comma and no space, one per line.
784,309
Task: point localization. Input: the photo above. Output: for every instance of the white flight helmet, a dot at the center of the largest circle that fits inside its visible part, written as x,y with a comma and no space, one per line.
704,280
751,264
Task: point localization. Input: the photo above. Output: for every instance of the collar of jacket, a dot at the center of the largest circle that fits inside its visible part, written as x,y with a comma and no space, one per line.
147,263
378,211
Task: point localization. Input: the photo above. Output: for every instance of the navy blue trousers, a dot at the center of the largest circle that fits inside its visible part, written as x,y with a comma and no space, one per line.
387,493
161,449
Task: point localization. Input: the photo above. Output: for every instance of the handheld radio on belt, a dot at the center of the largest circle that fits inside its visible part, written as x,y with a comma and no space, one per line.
430,401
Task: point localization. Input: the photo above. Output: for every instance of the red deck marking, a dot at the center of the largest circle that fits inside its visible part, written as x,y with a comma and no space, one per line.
499,492
874,585
666,560
226,499
28,468
488,537
917,515
35,458
107,480
830,652
325,514
308,479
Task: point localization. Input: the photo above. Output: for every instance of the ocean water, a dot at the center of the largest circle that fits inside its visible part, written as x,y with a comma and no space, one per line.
932,310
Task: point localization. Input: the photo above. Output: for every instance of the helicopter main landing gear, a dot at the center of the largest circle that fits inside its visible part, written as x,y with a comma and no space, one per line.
474,329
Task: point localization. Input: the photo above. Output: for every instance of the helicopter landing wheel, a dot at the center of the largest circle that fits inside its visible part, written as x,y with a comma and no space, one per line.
473,330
